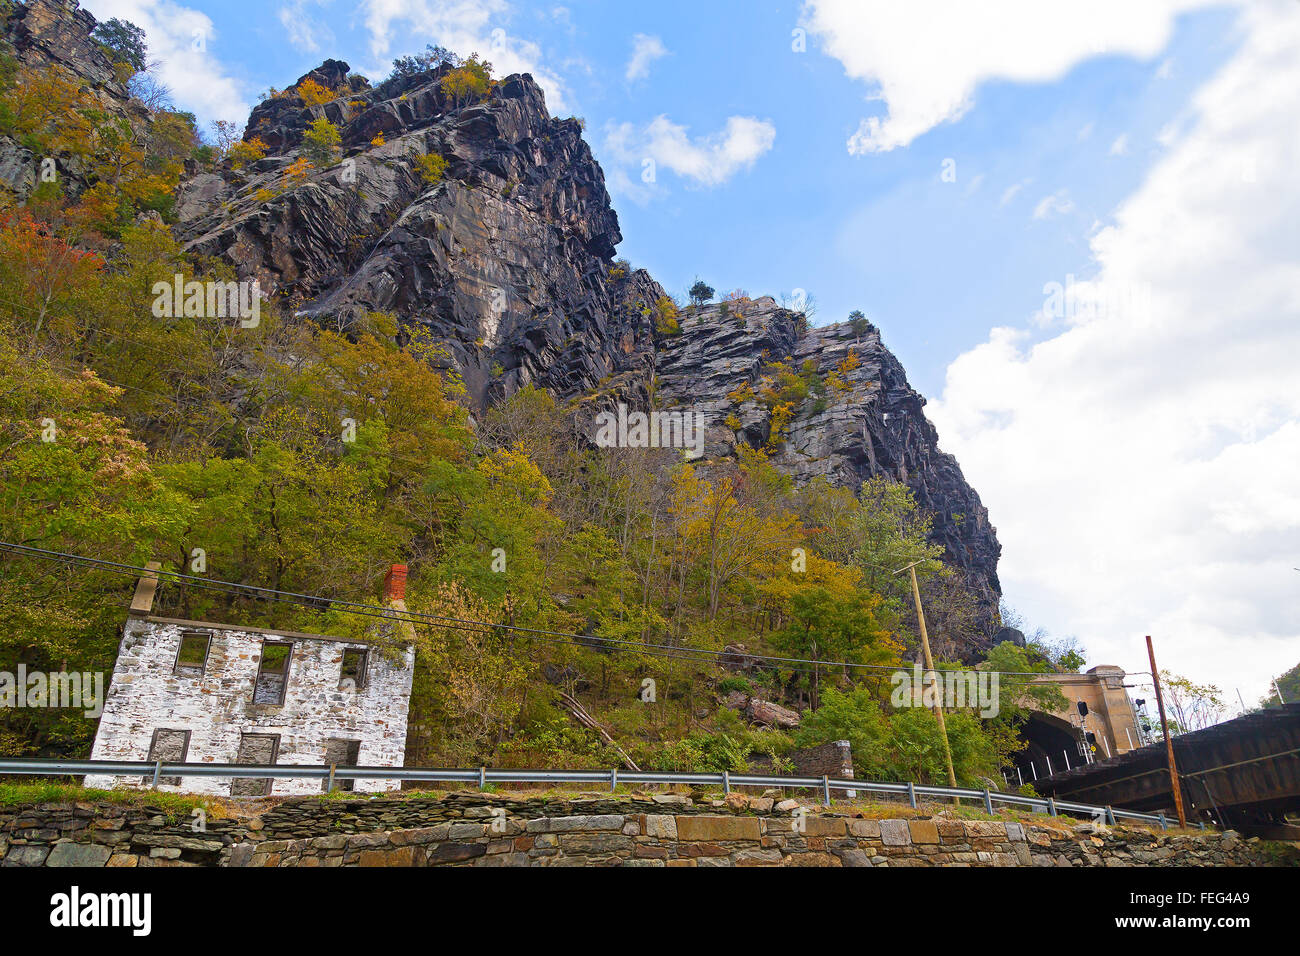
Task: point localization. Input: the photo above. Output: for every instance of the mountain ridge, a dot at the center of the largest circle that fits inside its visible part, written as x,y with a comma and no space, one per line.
508,260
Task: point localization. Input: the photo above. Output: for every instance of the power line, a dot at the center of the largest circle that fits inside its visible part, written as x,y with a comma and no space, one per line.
413,617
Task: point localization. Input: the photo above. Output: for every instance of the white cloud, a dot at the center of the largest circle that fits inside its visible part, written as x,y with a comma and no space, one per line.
645,50
925,58
462,26
708,161
305,32
1057,204
185,44
1120,146
1009,193
1140,464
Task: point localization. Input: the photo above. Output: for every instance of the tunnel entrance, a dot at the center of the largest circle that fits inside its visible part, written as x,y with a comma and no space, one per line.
1053,745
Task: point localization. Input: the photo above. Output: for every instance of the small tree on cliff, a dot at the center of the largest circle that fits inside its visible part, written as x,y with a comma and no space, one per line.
321,142
123,41
700,293
469,83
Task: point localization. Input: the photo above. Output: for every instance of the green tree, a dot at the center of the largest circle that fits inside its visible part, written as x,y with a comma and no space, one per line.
837,627
320,144
71,480
124,41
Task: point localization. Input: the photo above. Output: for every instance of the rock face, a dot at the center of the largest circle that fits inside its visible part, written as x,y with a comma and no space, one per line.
875,426
44,35
506,261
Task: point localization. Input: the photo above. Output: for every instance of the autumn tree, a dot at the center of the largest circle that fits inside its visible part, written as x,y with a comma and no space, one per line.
468,83
320,144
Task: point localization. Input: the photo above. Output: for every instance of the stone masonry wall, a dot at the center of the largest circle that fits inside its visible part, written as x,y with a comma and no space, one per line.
217,708
475,829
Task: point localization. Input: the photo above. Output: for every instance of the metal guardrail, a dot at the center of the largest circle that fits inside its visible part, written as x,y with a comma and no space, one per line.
484,775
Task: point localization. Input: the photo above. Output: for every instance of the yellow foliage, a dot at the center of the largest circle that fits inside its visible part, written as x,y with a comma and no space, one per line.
246,151
781,416
296,173
313,93
431,167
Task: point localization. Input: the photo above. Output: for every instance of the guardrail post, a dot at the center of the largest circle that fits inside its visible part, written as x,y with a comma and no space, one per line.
482,778
1051,806
613,779
726,781
826,791
1164,824
988,802
157,771
1110,816
329,788
1202,826
911,794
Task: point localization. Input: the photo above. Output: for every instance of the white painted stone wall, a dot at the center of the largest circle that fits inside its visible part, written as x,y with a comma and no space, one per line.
218,707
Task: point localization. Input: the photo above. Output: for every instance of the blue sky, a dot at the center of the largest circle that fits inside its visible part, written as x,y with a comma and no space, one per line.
1108,142
934,261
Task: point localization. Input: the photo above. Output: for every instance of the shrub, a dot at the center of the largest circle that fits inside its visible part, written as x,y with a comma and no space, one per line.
665,313
246,151
431,167
735,682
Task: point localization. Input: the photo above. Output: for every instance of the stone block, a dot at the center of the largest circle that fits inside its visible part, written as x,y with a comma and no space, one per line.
815,826
455,852
661,826
717,828
923,831
80,854
591,843
758,857
867,829
895,833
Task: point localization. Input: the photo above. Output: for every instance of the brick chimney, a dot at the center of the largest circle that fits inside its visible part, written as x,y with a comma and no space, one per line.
395,584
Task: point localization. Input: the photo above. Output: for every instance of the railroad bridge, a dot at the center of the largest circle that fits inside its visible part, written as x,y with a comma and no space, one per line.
1242,773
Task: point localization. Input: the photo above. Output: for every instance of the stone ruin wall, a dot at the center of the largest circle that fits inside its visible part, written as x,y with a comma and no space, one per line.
217,708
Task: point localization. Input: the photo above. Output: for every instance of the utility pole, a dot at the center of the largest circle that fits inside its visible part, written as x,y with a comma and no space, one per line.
929,670
1169,741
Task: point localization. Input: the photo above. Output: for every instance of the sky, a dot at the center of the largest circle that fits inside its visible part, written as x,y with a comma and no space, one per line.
1077,225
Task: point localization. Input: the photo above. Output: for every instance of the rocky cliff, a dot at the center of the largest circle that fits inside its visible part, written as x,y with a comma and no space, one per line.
55,34
507,258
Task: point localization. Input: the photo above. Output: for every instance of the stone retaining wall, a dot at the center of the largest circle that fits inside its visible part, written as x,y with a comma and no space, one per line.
658,831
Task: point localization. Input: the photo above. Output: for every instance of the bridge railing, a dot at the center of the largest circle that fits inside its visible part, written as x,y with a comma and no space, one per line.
482,776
